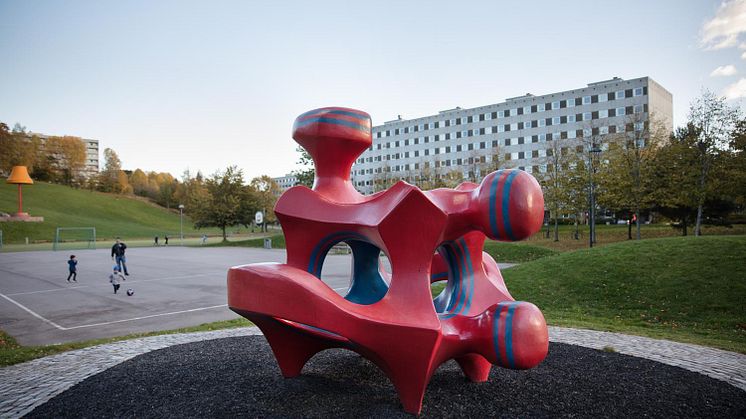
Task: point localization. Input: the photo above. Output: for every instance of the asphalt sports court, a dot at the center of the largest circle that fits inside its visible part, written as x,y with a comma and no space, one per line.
173,287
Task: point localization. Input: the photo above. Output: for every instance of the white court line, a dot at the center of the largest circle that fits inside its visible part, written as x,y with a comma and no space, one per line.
28,310
128,282
45,320
145,317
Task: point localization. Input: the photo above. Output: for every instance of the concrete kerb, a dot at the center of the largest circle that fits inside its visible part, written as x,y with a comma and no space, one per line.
30,384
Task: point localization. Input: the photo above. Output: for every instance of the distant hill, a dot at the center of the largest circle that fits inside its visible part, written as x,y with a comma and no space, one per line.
61,206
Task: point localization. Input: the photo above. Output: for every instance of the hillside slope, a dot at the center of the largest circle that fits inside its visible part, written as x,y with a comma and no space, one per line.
61,206
689,289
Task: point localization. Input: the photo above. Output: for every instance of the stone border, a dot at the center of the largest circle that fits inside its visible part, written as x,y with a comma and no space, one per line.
25,386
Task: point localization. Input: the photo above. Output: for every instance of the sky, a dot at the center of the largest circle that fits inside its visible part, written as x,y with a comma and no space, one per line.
201,85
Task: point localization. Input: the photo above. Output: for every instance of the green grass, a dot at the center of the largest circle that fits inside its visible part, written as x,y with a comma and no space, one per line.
13,353
689,289
516,252
608,234
112,215
278,242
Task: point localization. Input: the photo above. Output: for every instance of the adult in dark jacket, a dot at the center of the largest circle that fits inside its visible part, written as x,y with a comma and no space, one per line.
118,251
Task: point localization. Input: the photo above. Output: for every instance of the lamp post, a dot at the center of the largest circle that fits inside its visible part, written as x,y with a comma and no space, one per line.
181,223
591,198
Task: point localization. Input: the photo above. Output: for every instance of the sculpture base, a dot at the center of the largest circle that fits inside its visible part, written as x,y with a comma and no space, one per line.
239,377
21,216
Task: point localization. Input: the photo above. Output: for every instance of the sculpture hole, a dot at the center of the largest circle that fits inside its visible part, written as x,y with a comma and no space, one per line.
361,276
445,285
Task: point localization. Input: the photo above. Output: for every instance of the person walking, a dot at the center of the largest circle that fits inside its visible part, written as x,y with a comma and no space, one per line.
118,251
72,265
116,278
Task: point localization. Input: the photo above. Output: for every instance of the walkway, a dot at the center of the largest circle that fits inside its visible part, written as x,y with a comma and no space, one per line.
25,386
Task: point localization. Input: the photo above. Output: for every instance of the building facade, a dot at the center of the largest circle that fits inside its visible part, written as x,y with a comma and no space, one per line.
517,133
286,182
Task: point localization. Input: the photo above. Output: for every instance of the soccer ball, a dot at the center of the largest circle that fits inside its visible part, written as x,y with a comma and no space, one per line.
130,291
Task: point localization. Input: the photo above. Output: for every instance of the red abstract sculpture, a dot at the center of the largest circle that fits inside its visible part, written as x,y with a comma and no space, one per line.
431,236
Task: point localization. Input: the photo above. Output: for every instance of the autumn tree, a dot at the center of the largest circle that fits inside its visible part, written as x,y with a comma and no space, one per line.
18,149
109,178
139,182
67,155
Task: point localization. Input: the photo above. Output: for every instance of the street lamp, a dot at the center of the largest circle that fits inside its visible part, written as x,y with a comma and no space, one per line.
181,223
591,198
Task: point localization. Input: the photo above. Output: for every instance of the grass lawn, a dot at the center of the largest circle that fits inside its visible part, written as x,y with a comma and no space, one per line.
607,234
13,353
689,289
112,215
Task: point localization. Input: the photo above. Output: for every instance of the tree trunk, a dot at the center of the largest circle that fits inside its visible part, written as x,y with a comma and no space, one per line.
701,203
637,215
225,237
629,229
556,230
683,225
577,229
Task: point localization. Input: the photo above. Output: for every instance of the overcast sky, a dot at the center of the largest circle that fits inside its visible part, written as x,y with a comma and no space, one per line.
171,85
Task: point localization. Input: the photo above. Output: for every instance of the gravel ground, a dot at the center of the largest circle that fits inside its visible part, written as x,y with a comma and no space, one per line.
239,377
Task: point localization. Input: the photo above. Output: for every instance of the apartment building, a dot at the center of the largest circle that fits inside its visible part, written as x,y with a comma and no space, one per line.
286,182
516,133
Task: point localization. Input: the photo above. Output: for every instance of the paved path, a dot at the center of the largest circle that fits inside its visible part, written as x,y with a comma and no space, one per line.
25,386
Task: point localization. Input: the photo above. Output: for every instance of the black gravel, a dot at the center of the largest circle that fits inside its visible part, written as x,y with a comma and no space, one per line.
239,377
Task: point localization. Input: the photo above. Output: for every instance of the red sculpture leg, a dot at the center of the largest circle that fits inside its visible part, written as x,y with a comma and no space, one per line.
392,319
475,367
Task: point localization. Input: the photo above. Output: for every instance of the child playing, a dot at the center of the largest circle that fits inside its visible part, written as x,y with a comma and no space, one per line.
115,278
72,266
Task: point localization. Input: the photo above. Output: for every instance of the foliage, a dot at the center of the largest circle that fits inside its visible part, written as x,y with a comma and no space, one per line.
266,192
225,201
307,172
109,179
714,123
55,159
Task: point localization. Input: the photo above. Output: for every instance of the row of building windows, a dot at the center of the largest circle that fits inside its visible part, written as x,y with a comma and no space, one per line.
561,135
542,168
559,104
537,123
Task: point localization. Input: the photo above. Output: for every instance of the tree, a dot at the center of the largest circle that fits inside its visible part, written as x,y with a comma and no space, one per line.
627,169
714,121
673,164
109,177
139,181
18,149
68,156
307,173
266,192
576,188
224,202
553,181
736,164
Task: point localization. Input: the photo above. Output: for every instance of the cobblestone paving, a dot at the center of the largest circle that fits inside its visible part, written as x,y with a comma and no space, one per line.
25,386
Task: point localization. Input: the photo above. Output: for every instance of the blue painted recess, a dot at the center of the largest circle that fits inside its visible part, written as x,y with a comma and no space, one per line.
367,285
